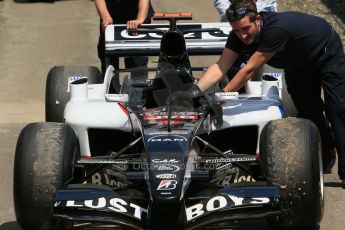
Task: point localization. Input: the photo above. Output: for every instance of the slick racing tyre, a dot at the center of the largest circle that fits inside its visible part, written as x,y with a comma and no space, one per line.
44,159
57,90
290,153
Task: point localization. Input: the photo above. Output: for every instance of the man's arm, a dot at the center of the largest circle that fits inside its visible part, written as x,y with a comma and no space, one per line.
218,70
256,61
143,8
103,12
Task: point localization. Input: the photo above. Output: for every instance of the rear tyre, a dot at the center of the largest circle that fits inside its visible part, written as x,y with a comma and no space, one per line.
290,153
44,159
57,86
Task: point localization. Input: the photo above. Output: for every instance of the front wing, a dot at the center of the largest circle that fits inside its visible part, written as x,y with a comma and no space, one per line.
100,206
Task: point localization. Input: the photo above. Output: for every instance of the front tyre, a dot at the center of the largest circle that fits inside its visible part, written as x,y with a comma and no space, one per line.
290,153
44,159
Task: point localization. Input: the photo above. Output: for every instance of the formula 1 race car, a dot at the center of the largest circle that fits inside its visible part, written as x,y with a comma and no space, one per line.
116,153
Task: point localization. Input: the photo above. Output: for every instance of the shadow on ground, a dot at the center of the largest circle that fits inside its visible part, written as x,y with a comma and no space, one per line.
336,8
10,226
329,184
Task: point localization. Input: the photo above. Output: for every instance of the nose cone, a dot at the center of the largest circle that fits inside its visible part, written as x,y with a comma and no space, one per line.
166,156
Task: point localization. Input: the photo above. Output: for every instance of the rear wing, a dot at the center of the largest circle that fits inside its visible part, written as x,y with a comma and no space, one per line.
118,42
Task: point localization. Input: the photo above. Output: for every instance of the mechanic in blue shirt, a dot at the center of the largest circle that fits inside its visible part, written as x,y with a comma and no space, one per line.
311,54
130,12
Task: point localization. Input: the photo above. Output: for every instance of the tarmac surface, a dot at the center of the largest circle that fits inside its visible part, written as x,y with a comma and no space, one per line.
35,36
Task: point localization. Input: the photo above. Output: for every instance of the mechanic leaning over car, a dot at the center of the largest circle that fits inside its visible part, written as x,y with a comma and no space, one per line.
130,12
222,6
262,5
311,54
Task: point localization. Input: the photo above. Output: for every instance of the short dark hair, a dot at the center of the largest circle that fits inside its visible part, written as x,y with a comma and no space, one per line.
240,8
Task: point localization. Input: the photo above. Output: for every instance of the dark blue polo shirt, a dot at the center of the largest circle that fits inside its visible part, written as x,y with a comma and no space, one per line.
298,39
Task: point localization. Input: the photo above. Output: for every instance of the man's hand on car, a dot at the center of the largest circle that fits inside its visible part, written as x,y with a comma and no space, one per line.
107,20
134,24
